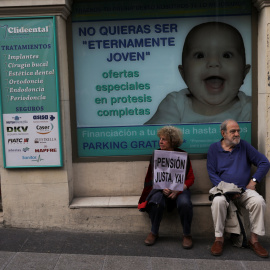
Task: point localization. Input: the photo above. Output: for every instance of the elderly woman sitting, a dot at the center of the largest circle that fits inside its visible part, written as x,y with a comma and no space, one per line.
154,201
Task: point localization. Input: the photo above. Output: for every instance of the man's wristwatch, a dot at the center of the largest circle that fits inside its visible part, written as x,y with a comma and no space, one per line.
254,180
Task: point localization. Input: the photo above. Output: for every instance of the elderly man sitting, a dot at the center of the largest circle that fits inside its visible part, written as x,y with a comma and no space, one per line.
230,160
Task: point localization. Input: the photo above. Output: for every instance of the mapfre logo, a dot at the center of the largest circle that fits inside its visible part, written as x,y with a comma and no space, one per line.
44,129
46,150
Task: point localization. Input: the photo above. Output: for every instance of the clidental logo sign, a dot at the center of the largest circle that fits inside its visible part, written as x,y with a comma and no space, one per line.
44,129
22,30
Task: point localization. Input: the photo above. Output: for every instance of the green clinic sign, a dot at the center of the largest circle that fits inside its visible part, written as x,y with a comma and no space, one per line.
29,93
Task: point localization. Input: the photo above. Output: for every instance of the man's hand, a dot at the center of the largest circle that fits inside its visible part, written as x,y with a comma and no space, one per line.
251,185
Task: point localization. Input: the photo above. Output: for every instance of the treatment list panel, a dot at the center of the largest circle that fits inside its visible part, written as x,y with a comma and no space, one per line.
29,93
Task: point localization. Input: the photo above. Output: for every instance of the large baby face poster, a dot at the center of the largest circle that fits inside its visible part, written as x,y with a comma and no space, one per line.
139,67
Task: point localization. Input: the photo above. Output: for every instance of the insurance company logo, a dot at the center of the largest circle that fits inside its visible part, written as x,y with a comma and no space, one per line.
16,150
46,150
26,149
44,129
16,118
18,141
52,117
33,158
39,118
17,129
38,159
44,140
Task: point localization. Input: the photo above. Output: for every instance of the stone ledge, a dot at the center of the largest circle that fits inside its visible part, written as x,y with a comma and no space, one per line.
125,201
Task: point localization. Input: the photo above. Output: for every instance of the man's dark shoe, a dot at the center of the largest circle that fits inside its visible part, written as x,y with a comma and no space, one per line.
259,250
217,248
187,242
150,239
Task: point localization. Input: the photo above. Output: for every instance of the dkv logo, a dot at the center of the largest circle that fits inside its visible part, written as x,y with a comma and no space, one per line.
19,129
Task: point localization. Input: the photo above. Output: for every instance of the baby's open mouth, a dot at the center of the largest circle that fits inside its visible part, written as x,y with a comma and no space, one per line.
214,82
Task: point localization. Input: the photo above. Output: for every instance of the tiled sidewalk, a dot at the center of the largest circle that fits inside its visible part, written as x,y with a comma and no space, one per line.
38,250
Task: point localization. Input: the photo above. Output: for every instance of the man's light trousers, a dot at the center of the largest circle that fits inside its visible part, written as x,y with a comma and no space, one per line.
250,200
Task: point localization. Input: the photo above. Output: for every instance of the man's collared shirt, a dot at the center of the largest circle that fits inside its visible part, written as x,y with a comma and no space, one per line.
235,166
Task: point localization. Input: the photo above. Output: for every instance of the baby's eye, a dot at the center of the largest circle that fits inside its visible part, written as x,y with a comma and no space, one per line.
227,55
199,55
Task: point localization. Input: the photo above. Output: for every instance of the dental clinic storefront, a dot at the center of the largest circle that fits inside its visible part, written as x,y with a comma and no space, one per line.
85,85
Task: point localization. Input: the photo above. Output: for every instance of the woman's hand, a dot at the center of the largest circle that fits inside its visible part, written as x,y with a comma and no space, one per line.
173,194
167,192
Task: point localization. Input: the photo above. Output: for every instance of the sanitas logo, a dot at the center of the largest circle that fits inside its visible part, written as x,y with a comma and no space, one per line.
20,30
29,157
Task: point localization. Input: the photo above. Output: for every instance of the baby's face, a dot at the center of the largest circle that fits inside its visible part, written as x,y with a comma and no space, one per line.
213,66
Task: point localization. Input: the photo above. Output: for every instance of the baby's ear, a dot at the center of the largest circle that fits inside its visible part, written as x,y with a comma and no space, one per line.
181,70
